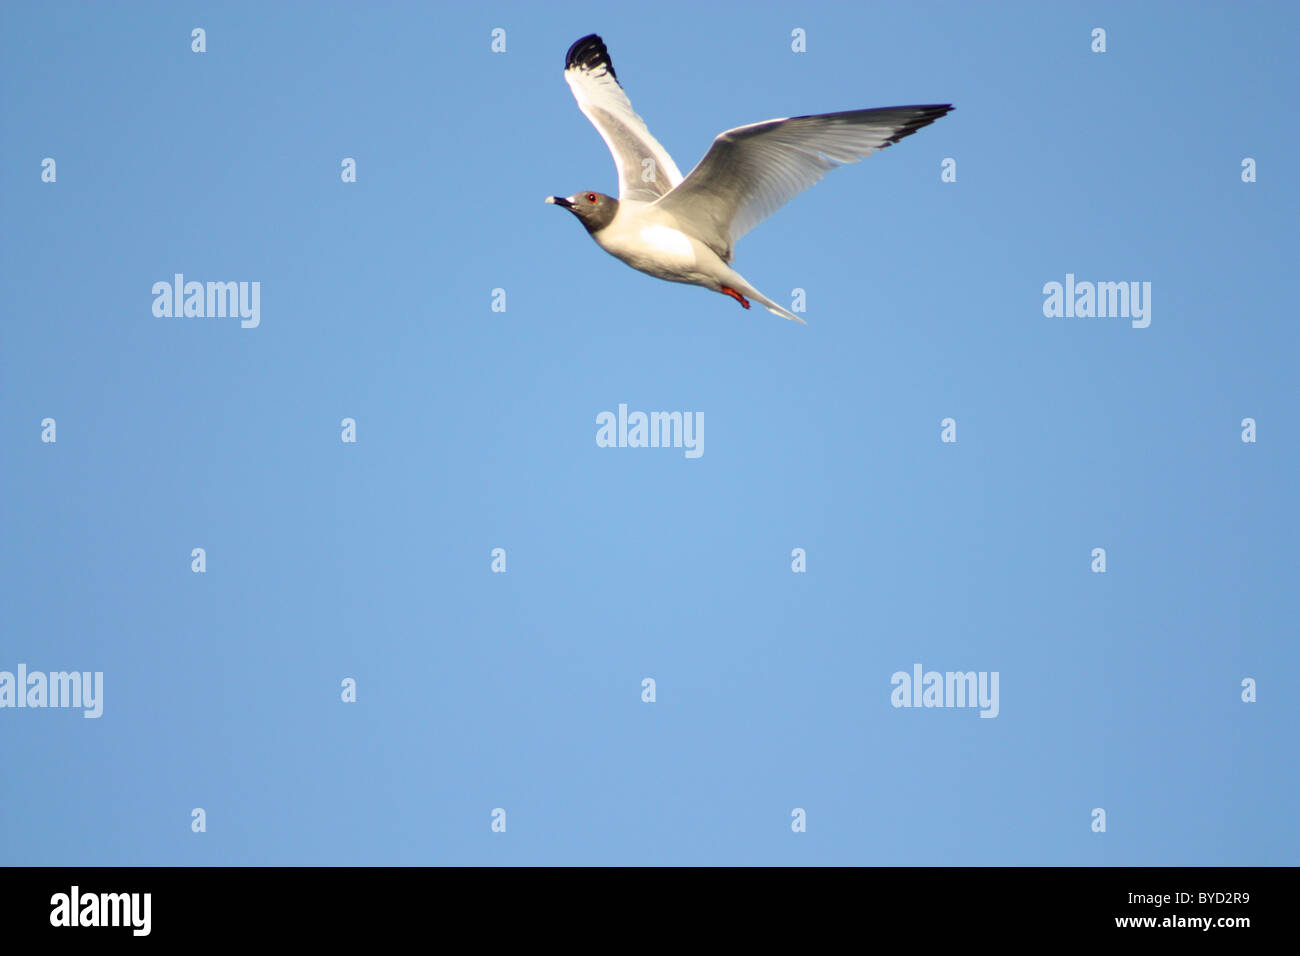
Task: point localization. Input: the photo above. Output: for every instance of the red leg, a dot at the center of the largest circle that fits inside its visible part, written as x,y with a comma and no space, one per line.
728,290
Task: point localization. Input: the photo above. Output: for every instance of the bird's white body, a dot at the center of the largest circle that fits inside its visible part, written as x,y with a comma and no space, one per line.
649,240
645,241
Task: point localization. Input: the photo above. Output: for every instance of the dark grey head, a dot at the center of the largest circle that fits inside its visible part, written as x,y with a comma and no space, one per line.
594,210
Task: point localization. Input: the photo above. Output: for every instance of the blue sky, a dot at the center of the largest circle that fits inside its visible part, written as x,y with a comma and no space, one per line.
476,430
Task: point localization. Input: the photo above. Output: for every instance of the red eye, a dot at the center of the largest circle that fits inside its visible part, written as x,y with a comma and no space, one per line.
591,197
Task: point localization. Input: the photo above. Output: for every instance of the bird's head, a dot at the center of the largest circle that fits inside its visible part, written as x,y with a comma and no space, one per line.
594,210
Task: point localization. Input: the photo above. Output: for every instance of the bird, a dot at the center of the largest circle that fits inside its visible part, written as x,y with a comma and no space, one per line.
684,228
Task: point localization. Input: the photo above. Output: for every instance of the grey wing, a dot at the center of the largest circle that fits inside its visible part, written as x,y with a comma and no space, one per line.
751,171
645,170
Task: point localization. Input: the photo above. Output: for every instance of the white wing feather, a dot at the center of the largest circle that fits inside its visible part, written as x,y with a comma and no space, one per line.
751,171
591,77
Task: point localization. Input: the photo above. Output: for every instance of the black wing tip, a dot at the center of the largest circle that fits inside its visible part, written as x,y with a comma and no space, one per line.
589,53
925,115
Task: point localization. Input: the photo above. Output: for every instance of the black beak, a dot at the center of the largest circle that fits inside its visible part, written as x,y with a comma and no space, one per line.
560,201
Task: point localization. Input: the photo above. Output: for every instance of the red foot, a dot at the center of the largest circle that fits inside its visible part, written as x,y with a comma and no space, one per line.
728,290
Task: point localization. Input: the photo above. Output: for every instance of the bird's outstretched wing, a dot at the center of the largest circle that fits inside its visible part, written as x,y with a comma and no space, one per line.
751,171
645,170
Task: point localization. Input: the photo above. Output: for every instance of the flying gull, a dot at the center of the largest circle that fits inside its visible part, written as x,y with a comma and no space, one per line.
684,228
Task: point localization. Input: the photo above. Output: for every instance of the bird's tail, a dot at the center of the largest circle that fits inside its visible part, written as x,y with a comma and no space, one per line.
749,290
